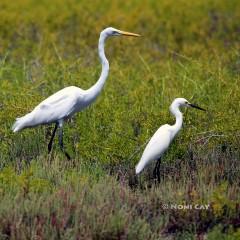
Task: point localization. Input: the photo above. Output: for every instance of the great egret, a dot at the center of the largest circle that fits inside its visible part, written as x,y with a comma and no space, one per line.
66,102
163,137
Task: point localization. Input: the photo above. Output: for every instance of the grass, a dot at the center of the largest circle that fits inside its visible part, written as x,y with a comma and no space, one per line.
188,49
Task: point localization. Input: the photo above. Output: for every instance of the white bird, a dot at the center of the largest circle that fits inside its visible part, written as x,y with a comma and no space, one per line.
66,102
163,137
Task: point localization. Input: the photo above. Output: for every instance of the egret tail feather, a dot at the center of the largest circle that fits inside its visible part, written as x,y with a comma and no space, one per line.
139,167
22,123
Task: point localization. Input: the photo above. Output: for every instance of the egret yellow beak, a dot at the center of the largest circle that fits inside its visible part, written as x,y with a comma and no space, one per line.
129,34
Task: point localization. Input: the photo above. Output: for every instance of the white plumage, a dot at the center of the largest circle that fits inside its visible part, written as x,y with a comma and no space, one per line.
163,137
66,102
60,106
157,145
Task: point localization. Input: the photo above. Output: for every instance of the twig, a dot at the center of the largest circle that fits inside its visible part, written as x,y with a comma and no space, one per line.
208,138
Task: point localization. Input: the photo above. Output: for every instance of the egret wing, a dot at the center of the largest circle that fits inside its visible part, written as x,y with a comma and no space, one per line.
157,145
60,105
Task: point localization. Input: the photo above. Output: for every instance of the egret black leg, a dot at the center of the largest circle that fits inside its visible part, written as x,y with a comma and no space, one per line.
61,143
156,171
52,137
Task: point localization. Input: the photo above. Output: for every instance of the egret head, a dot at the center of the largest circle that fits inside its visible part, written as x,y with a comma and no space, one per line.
182,102
110,31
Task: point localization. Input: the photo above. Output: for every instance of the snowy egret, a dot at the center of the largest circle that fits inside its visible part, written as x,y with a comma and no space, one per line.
163,137
66,102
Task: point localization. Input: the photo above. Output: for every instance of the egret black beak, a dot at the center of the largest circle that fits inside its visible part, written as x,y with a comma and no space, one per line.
129,34
195,106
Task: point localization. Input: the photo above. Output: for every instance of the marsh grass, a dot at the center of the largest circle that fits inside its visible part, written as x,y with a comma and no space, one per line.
54,200
189,49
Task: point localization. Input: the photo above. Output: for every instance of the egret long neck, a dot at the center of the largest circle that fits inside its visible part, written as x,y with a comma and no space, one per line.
179,119
95,90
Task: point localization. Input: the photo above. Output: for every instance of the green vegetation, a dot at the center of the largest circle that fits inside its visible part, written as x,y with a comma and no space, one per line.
189,49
